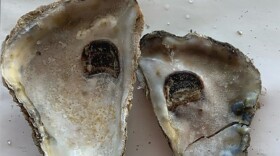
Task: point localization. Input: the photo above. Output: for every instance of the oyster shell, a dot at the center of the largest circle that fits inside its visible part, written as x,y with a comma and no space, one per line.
70,66
204,92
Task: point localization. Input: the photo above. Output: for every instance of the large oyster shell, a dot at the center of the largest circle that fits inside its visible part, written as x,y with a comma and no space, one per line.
204,92
70,66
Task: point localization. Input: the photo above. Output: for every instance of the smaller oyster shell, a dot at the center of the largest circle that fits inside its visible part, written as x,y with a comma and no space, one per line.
204,92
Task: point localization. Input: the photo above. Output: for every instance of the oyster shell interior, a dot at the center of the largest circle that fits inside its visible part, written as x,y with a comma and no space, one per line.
70,65
204,92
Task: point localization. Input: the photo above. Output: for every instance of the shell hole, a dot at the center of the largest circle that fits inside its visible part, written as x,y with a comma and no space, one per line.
100,56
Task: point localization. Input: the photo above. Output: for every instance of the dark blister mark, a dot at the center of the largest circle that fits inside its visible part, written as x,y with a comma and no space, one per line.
238,108
84,93
101,56
182,87
200,111
38,53
184,80
247,116
246,113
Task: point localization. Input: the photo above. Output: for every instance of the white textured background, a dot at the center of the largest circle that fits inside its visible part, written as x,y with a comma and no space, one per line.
258,20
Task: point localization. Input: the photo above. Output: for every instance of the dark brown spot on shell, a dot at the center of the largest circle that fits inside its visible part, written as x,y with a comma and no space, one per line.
84,93
38,53
100,56
182,87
